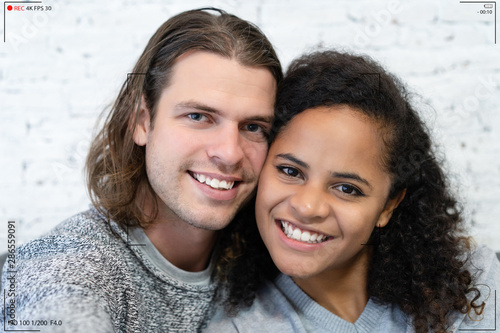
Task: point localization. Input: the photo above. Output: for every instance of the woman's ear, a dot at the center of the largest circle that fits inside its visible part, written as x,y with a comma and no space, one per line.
142,124
390,206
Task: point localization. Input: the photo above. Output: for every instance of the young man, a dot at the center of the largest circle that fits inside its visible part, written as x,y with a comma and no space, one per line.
177,157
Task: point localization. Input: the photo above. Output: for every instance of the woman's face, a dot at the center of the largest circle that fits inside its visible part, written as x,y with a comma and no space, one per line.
322,192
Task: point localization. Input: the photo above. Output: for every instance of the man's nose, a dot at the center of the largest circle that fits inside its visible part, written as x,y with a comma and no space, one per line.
226,146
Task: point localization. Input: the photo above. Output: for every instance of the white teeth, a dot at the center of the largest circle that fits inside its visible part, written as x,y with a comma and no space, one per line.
301,235
305,236
213,182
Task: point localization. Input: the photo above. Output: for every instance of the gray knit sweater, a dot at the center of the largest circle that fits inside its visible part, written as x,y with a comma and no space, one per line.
82,278
282,306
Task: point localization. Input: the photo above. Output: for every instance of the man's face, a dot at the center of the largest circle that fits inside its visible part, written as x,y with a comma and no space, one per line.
207,145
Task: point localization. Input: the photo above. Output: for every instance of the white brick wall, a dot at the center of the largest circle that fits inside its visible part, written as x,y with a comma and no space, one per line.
60,69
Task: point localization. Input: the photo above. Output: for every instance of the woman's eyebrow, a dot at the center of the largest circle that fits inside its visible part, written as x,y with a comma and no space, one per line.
294,159
347,175
350,175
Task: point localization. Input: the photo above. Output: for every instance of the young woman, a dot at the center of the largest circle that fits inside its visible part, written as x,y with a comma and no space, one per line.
355,211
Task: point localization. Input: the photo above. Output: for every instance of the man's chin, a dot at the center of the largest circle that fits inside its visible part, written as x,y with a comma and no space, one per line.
214,222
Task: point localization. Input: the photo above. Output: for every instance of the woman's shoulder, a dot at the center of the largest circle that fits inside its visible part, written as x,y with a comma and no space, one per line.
281,306
270,312
484,266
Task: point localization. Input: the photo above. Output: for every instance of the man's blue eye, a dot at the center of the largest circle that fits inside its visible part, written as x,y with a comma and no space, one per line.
196,116
253,127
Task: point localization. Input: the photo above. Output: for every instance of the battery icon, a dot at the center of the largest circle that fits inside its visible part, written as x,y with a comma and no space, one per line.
488,5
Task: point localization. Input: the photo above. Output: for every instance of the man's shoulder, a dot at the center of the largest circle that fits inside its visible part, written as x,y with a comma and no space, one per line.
84,224
81,251
80,264
79,235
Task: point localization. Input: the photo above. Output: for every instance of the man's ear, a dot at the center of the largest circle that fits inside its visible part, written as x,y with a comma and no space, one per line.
390,206
142,125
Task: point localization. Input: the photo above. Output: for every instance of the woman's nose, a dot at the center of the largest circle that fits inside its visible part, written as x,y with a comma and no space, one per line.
309,203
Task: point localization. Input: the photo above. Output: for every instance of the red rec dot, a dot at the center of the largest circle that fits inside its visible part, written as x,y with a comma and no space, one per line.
9,7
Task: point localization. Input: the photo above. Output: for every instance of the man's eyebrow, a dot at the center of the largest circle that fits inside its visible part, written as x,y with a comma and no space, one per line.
294,159
196,106
264,119
350,175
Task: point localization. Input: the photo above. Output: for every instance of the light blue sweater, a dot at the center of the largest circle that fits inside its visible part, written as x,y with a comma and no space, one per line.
282,306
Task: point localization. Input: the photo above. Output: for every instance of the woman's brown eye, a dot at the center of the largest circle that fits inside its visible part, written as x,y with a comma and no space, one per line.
347,189
289,171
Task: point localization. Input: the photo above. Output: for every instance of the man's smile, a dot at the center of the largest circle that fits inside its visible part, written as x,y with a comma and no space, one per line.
213,182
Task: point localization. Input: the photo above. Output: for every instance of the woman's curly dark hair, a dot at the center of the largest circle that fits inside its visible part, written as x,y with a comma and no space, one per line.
419,259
